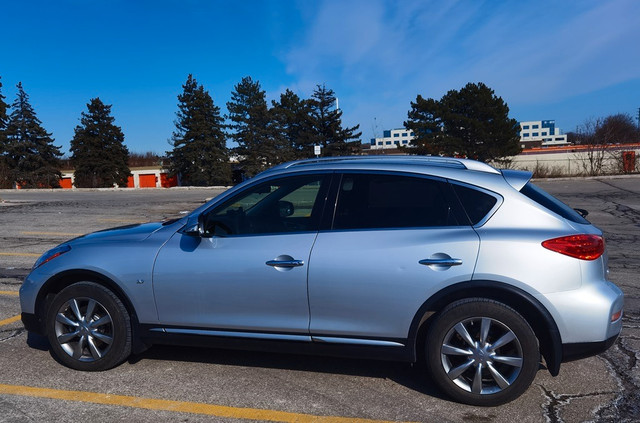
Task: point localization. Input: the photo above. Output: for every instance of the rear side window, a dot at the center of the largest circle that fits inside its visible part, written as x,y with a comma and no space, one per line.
370,201
551,203
476,203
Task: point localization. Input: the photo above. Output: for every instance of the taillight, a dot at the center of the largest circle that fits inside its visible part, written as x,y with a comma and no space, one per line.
583,247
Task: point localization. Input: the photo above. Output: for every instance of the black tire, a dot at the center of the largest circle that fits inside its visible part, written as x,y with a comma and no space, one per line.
96,342
476,369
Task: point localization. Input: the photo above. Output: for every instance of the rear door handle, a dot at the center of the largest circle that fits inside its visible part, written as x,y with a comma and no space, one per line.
441,262
285,263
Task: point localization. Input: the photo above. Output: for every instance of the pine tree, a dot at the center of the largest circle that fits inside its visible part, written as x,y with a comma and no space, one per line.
252,129
98,153
5,174
199,155
472,122
327,129
32,158
292,124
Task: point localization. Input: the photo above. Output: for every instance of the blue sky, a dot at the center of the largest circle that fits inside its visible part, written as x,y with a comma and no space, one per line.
562,60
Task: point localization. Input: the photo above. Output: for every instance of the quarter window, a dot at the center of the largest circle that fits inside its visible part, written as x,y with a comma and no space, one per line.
476,203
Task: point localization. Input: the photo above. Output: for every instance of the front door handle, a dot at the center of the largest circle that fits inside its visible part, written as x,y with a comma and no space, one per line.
285,263
441,262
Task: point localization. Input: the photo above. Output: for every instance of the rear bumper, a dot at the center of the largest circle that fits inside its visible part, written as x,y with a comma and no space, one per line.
580,350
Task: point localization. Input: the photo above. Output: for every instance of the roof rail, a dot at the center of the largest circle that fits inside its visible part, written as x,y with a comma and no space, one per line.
428,160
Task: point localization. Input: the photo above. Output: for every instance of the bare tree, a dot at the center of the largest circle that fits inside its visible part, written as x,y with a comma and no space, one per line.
617,129
595,152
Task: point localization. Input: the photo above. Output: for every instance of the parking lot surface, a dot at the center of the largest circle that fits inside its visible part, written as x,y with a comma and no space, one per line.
188,384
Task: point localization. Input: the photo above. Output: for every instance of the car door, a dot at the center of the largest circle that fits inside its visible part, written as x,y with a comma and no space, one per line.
395,240
248,270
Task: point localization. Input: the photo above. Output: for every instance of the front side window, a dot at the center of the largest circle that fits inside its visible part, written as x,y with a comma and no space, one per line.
291,204
375,201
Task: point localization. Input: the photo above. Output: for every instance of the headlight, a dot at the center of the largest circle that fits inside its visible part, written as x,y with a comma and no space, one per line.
51,254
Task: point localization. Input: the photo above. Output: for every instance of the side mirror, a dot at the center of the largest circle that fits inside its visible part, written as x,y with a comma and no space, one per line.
285,208
195,229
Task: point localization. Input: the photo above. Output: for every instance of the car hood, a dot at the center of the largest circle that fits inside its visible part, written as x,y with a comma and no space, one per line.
137,232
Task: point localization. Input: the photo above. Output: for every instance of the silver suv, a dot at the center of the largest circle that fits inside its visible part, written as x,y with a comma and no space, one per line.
475,271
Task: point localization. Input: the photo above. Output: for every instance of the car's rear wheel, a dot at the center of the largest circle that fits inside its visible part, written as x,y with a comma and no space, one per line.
482,352
88,327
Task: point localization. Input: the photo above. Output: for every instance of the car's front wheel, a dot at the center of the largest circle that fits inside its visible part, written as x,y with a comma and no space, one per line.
482,352
88,327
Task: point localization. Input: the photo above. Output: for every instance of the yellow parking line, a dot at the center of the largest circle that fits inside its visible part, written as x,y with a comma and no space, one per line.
21,254
177,406
9,320
12,293
51,233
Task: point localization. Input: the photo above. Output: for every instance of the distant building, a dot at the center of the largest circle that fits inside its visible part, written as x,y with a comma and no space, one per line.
541,133
393,138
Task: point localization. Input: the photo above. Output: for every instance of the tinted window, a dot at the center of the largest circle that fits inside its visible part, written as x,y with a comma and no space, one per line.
476,203
549,202
392,201
284,205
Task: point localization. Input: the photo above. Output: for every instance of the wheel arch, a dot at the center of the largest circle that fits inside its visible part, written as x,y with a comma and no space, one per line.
524,303
64,279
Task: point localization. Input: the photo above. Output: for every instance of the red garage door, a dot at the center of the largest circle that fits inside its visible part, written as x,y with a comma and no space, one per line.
66,183
148,181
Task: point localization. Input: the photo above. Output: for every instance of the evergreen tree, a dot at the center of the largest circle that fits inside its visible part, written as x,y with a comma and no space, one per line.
98,153
327,130
472,122
199,156
32,158
292,125
5,174
252,129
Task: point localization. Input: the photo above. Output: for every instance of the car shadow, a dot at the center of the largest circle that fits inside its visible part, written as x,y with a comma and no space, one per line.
412,376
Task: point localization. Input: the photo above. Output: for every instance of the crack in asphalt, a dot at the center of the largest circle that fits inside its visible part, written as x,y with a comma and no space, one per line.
12,333
13,273
554,403
617,188
621,361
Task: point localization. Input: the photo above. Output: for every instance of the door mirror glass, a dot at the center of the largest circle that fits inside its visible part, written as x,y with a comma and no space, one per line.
285,208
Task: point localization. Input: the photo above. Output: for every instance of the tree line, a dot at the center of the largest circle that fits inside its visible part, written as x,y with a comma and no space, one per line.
265,135
471,122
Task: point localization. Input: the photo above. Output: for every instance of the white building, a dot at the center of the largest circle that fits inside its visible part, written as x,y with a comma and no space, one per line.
543,133
393,138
